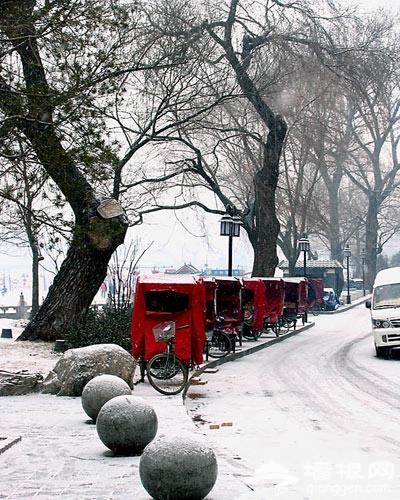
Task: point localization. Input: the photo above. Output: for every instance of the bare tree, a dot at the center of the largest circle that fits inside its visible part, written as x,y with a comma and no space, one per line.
374,168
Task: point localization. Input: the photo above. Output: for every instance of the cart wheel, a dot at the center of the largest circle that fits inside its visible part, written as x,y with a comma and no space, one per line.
247,331
276,328
316,309
219,345
285,325
167,374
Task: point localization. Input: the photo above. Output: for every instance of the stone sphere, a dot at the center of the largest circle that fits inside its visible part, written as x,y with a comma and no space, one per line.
180,467
126,424
101,389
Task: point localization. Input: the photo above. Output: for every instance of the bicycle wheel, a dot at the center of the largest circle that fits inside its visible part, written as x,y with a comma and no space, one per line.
219,345
284,325
167,374
316,309
276,328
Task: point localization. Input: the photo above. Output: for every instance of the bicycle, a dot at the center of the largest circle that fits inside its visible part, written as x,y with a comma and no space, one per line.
218,344
316,309
165,371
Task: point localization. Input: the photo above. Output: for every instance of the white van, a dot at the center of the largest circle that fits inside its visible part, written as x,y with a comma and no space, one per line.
385,311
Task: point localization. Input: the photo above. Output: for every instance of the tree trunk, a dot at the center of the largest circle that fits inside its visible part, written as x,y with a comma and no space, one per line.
35,282
266,221
94,238
336,249
371,238
77,282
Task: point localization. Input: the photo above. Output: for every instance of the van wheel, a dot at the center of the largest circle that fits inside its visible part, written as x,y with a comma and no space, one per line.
382,352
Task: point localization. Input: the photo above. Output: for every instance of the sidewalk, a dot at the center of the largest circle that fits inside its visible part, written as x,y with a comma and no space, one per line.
48,449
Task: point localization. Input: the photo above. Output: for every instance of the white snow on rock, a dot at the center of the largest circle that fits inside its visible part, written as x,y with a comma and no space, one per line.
77,366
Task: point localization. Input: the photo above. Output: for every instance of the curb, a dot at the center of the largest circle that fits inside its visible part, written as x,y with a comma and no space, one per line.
241,354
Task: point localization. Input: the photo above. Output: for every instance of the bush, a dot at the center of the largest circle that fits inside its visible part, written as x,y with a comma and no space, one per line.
103,326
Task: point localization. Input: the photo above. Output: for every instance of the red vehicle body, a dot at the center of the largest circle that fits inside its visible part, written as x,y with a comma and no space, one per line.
262,300
275,293
224,301
254,305
315,291
296,299
163,297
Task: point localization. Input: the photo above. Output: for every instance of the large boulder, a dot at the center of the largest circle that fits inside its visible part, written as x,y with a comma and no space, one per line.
77,366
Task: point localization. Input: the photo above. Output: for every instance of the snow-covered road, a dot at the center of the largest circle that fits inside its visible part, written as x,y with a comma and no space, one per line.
314,417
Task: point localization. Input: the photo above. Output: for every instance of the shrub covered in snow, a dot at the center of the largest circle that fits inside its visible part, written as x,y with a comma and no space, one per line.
106,326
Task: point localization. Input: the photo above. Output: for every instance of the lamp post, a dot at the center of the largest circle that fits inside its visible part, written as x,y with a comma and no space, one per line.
347,254
363,268
230,226
304,246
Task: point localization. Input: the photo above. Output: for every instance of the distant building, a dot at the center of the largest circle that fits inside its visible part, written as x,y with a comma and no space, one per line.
222,272
190,269
331,271
187,269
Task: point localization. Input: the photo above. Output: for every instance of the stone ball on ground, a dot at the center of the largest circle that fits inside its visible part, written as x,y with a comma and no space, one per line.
179,467
101,389
126,424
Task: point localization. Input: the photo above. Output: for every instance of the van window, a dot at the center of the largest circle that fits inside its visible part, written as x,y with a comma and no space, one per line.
386,296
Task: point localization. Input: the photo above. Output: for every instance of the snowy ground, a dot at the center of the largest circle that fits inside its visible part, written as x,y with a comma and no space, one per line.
314,417
32,356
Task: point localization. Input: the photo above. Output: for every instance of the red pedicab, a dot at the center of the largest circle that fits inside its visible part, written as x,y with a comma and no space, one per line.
275,297
223,314
296,302
262,300
315,295
254,307
168,323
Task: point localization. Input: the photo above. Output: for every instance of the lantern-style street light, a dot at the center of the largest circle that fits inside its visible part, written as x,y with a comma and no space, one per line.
304,246
363,268
347,254
230,226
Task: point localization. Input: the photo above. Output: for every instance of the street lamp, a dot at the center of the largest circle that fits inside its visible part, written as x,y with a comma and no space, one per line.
347,254
363,268
230,226
304,246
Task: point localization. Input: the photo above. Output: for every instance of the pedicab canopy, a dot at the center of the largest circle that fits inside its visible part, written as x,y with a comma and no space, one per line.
315,291
227,299
160,298
296,290
254,302
275,297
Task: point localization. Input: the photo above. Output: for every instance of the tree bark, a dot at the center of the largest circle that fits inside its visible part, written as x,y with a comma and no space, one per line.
79,278
35,282
371,232
94,238
266,221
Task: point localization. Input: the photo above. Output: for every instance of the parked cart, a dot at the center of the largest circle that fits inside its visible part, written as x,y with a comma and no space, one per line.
275,298
223,309
162,299
296,301
315,295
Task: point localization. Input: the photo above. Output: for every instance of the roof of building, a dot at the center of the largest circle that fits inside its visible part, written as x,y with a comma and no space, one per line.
313,264
187,269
